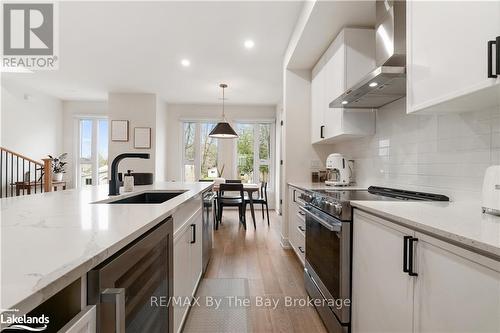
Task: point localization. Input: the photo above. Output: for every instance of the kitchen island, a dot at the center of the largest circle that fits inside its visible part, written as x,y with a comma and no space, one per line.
51,239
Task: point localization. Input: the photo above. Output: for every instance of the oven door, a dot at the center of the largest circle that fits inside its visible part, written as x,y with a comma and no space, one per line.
328,257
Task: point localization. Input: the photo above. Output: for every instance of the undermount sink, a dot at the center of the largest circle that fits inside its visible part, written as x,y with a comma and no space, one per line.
147,198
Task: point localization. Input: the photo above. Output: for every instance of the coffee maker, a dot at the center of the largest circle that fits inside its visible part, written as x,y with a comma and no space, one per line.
338,172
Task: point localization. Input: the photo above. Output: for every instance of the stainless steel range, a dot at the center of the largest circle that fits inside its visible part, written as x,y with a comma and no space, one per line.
329,230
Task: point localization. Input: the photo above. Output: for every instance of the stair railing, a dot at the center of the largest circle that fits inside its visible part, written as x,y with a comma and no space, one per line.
20,175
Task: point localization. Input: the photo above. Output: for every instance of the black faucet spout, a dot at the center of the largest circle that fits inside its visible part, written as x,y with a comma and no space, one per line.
114,184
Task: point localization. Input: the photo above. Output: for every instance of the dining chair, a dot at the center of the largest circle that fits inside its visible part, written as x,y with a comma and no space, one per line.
262,199
224,199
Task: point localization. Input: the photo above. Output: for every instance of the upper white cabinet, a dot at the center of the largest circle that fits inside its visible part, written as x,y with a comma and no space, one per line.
318,106
350,57
447,62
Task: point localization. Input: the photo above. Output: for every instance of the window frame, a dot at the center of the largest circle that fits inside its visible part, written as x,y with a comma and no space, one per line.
197,147
94,155
256,160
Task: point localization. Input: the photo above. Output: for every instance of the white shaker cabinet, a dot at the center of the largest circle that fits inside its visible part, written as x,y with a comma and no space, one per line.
447,61
296,224
317,106
456,290
348,59
382,294
187,265
451,290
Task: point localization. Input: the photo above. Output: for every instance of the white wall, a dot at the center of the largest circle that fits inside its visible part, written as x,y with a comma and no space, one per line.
72,110
445,154
299,155
161,141
140,111
31,122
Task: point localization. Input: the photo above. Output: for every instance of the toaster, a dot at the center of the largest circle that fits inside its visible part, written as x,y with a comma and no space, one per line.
491,190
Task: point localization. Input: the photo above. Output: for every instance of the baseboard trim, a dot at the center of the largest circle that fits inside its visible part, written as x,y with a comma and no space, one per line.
285,243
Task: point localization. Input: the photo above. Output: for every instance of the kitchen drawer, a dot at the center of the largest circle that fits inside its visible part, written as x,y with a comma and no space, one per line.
300,244
83,322
301,220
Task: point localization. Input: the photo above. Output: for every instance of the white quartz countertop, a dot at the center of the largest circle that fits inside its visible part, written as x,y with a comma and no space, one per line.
460,222
49,240
322,186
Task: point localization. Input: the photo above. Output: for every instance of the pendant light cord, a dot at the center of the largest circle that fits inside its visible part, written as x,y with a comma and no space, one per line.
223,113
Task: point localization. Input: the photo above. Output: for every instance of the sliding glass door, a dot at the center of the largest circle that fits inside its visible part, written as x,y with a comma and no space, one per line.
254,148
92,161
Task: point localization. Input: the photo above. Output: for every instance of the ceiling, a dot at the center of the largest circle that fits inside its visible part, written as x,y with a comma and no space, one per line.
325,21
138,47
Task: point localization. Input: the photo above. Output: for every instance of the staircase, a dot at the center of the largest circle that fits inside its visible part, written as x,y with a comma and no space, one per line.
21,175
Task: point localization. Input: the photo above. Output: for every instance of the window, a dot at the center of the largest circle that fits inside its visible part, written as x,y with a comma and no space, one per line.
254,152
200,152
92,163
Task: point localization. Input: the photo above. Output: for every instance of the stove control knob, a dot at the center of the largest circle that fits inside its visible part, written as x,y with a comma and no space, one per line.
338,209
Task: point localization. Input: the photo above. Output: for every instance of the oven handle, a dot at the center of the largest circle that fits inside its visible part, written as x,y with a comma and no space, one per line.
323,222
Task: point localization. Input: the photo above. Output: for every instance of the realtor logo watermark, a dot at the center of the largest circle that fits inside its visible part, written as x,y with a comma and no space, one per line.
10,321
30,35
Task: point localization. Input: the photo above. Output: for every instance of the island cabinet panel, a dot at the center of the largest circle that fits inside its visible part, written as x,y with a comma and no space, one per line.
84,322
187,265
382,294
439,288
456,290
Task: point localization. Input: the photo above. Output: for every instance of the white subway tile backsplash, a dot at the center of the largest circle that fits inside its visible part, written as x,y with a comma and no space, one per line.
446,153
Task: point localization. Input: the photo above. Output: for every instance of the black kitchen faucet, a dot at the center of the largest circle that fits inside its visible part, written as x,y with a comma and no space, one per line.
114,184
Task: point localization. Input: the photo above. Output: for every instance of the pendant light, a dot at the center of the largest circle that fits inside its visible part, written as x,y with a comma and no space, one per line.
223,130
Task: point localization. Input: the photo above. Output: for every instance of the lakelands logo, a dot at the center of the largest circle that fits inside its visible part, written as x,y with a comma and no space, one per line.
10,321
30,36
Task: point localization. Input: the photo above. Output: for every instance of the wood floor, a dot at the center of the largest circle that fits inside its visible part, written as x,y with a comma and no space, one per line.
272,272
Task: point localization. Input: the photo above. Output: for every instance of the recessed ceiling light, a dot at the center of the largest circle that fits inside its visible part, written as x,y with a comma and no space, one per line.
249,44
373,84
344,102
185,62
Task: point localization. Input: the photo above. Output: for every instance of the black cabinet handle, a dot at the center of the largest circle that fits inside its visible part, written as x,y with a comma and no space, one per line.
193,239
490,60
405,253
301,249
410,258
498,55
301,228
322,127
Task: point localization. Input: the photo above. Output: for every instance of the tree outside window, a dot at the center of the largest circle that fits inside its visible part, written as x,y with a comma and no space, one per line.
200,151
254,151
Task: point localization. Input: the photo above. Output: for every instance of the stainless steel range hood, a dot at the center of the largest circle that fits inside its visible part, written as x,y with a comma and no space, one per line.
387,82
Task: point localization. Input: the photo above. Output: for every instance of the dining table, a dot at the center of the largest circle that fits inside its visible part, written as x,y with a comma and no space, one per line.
250,188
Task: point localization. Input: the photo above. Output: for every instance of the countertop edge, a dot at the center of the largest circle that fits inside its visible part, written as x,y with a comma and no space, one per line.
50,289
447,236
